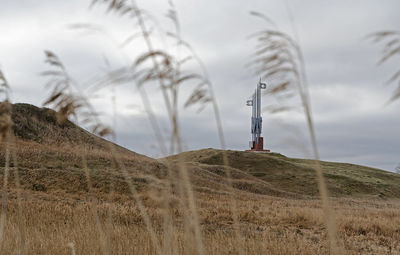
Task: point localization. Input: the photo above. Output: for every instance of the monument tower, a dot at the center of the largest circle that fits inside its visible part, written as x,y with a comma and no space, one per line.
256,144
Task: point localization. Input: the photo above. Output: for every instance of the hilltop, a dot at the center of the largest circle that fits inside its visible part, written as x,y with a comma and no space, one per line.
40,125
49,158
297,176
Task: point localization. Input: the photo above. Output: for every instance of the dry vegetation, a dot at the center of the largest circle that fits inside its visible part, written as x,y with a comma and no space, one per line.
390,50
268,224
57,205
66,191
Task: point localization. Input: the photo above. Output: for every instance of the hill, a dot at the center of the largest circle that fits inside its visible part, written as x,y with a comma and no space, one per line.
275,198
49,158
281,174
40,125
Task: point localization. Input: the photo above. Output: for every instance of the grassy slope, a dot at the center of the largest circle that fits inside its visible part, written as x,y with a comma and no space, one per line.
57,208
50,159
40,125
298,176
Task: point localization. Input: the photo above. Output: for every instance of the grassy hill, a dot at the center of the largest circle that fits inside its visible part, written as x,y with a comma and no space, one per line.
275,198
298,175
40,125
49,158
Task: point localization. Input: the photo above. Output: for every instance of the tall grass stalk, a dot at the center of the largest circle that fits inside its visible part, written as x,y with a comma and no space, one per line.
212,98
4,190
104,240
19,202
279,59
173,77
390,50
138,201
69,104
6,134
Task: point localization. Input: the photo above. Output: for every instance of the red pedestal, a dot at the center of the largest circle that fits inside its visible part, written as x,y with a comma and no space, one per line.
258,146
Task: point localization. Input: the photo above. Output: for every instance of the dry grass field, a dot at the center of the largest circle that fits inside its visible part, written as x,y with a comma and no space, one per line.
269,225
66,190
278,209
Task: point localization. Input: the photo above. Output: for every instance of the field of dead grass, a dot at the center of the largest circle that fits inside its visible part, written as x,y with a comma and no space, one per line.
76,202
269,225
58,210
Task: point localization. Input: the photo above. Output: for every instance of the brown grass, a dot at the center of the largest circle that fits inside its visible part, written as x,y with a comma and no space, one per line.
273,225
62,214
87,196
279,59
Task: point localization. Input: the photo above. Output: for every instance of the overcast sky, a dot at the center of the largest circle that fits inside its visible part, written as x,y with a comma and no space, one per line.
347,88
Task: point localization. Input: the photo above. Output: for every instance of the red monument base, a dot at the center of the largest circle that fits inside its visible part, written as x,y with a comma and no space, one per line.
258,147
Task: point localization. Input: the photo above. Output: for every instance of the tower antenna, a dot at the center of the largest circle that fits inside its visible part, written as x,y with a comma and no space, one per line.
256,144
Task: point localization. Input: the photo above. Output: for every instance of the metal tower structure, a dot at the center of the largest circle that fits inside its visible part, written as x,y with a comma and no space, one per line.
256,143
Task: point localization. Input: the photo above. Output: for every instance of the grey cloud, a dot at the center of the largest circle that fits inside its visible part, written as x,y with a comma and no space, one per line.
331,34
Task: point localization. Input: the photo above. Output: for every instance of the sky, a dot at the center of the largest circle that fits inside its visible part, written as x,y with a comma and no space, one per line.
347,88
